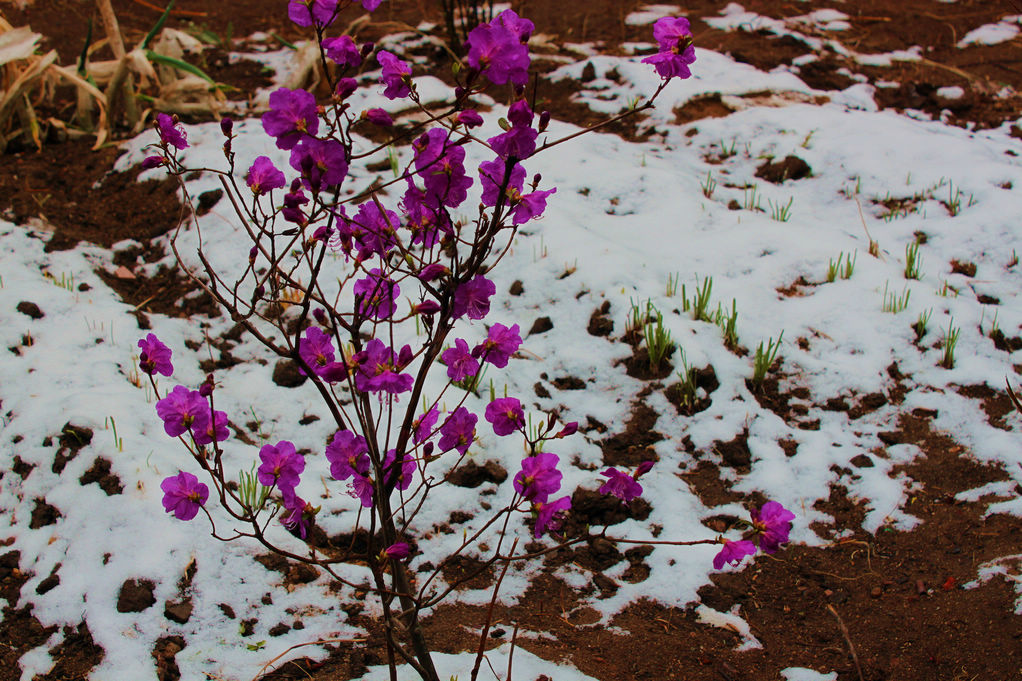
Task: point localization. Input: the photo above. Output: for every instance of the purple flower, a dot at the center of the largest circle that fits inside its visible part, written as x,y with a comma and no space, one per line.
733,552
315,349
171,132
378,117
154,357
342,51
370,5
398,551
539,477
183,494
772,523
498,49
425,216
306,12
548,515
371,230
376,295
153,162
379,367
506,415
530,206
620,485
676,50
520,140
458,431
292,117
182,409
348,455
395,75
501,342
401,475
470,118
435,270
459,361
344,87
293,201
492,174
423,426
281,466
322,163
361,488
442,167
263,176
215,430
294,518
473,298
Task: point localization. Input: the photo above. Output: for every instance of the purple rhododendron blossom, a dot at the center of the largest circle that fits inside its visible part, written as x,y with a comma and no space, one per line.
460,362
155,161
458,431
539,477
773,523
215,430
378,369
491,176
377,295
154,357
307,12
348,455
499,49
344,87
361,487
442,167
676,51
263,176
181,410
501,342
401,475
733,552
342,51
530,206
170,131
425,216
470,118
620,485
295,510
422,427
293,201
394,76
316,349
548,515
183,494
506,415
291,118
520,140
281,466
398,551
379,117
472,298
322,163
371,231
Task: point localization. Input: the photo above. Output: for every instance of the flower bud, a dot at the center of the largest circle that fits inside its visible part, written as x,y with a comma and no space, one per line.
397,551
320,316
569,429
427,307
544,121
367,49
345,86
206,389
643,468
153,162
432,271
226,126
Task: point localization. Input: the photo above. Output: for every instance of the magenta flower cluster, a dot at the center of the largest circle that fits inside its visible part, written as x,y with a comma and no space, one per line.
770,527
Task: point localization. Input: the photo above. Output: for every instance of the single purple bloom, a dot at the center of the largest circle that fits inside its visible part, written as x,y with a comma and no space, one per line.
395,75
376,295
499,49
171,132
155,356
307,12
506,415
426,307
442,167
263,176
294,518
293,201
372,231
470,118
733,552
153,162
460,362
501,342
676,50
348,455
434,271
425,216
773,523
458,431
361,488
342,51
322,163
423,426
549,515
379,117
491,176
183,494
472,298
530,206
316,349
520,140
215,430
402,474
281,466
539,477
620,485
379,370
227,126
398,551
181,410
345,86
291,118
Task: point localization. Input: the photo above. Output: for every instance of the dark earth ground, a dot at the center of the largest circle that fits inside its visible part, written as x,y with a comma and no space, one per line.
888,606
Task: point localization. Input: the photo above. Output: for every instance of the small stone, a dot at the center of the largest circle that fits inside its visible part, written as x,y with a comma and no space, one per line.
286,374
30,309
179,612
541,325
517,288
136,595
279,629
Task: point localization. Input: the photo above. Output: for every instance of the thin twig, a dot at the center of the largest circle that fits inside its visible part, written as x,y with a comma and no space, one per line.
848,640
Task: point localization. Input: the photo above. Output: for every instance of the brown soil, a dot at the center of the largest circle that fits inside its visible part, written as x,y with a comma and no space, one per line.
885,606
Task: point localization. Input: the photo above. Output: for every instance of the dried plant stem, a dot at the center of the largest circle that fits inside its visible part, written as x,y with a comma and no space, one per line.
848,640
120,85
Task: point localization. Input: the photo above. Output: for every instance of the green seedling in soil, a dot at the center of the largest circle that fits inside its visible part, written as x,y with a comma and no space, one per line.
912,261
947,290
950,341
709,185
700,302
727,152
921,323
252,494
779,212
672,284
727,324
894,303
808,139
66,281
687,388
994,329
841,268
659,343
764,359
637,318
1011,263
110,424
752,201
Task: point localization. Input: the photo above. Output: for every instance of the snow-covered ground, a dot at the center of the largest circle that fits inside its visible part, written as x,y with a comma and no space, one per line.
626,219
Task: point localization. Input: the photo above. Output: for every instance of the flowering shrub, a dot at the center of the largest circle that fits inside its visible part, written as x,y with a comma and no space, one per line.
346,337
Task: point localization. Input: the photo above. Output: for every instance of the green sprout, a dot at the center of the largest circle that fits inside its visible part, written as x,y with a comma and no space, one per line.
727,324
912,260
843,267
950,341
921,323
700,301
659,343
709,185
894,303
687,388
780,212
764,359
